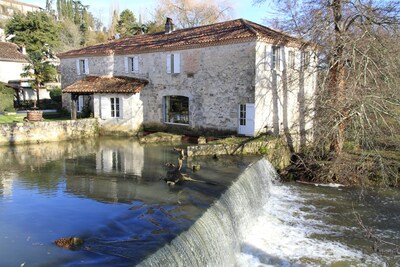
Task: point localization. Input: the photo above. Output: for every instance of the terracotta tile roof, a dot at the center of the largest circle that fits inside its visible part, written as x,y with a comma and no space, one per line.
238,30
102,84
10,52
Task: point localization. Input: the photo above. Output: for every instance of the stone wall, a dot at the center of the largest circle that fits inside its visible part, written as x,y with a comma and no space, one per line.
215,79
47,131
284,95
275,150
131,117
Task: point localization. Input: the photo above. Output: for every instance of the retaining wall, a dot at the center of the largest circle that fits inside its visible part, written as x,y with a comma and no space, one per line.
276,151
47,131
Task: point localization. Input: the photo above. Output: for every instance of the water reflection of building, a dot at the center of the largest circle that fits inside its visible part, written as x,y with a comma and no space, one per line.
6,185
120,156
112,175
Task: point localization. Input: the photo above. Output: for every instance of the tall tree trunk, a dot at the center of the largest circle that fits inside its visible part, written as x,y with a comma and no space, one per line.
37,95
337,85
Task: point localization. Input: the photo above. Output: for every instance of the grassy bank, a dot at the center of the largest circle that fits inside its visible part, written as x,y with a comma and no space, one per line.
19,117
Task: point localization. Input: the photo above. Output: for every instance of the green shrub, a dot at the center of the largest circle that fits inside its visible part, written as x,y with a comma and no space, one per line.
55,95
6,98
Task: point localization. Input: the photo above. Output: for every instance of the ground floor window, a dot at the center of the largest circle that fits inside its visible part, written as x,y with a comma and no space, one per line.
115,107
79,106
177,109
242,115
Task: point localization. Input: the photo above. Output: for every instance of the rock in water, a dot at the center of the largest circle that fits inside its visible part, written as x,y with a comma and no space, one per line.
196,167
69,242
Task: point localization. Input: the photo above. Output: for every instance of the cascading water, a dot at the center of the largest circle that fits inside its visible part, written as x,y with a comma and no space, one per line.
215,238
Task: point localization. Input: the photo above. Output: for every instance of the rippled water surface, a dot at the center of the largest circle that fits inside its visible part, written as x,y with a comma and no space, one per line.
305,225
106,191
109,193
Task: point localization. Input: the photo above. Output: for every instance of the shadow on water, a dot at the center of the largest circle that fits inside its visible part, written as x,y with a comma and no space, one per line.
265,258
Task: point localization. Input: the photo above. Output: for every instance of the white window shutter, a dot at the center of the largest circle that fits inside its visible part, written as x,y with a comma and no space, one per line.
121,107
136,64
169,63
87,65
177,63
105,107
126,61
265,58
78,71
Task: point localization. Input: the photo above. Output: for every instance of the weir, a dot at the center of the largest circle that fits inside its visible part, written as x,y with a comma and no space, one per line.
215,238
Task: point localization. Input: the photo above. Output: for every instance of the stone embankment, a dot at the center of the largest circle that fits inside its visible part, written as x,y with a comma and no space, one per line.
275,150
47,131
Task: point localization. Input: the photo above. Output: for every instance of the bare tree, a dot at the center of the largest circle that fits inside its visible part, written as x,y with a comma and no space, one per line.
191,13
357,101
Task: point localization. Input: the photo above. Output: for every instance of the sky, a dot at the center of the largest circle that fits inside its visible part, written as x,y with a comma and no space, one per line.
101,9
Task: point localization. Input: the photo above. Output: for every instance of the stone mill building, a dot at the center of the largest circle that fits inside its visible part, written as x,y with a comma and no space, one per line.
234,77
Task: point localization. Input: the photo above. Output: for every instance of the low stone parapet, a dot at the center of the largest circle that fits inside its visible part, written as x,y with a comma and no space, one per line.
275,150
47,131
227,149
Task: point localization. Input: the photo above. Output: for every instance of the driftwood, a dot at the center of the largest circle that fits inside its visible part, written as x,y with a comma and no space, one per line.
175,176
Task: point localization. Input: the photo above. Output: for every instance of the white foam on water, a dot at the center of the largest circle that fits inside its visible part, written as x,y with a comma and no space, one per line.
283,236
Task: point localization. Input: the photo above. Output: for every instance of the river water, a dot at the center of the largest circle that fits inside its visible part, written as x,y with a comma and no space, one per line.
109,192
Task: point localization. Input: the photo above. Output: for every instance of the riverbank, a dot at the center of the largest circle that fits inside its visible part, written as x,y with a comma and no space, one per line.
351,168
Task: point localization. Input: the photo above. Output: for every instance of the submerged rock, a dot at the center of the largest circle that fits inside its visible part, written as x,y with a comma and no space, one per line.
69,242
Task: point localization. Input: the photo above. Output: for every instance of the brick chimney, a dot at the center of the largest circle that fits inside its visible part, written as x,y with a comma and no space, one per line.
169,26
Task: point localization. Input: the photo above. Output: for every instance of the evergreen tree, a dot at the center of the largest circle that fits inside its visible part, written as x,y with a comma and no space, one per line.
127,25
114,21
40,34
34,30
49,4
77,13
59,8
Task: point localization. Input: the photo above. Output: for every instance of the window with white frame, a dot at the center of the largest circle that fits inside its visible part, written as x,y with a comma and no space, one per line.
115,107
174,63
266,58
306,59
79,106
132,64
242,115
82,66
292,59
276,57
176,109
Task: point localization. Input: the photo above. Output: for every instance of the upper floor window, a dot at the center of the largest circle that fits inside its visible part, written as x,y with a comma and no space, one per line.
174,63
306,59
276,58
82,66
132,64
115,107
292,59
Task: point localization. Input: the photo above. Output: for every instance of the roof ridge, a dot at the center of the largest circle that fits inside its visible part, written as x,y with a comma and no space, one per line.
219,33
245,23
274,30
